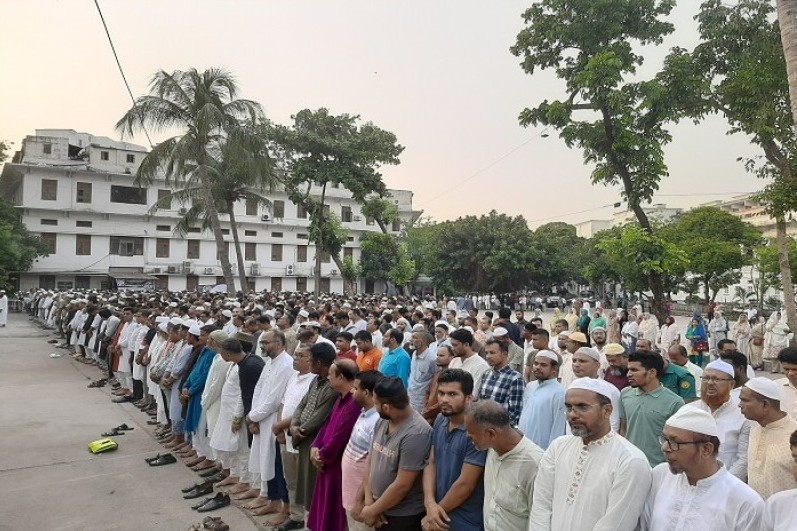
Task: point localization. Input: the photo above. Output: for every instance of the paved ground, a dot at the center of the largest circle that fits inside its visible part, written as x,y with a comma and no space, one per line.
49,480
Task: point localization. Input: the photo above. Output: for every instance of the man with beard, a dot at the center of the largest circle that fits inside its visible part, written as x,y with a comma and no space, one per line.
587,364
594,478
391,496
693,487
598,336
542,418
444,356
453,479
617,373
539,341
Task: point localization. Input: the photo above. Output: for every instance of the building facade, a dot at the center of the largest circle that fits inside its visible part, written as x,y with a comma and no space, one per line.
77,191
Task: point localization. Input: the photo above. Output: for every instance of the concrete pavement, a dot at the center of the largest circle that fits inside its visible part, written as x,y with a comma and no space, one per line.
48,478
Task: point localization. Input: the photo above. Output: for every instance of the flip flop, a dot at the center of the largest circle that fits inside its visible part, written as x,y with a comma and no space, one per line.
55,355
113,433
124,427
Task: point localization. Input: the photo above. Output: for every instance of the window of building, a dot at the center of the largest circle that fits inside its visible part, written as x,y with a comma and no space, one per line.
83,244
104,155
47,281
83,193
162,283
193,249
345,214
301,236
226,232
301,283
251,206
276,252
348,252
276,235
129,195
324,285
49,189
164,199
301,253
49,222
49,240
47,148
131,159
82,282
191,282
350,239
193,229
301,212
163,228
84,224
396,225
278,207
276,284
162,247
250,252
250,233
126,246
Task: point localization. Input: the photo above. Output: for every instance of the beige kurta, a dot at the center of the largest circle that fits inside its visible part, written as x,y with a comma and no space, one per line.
509,486
770,462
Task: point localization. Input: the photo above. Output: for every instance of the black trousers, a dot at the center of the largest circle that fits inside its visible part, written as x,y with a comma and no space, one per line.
403,523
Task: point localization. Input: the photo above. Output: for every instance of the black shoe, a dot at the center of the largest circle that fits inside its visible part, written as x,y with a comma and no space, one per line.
122,399
167,459
289,525
192,487
209,472
221,500
218,477
203,502
151,459
199,490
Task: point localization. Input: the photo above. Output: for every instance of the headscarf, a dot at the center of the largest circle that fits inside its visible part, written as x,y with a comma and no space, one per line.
699,318
584,320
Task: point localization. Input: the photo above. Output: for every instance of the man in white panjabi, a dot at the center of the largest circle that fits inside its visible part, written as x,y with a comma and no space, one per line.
594,479
780,512
693,490
3,308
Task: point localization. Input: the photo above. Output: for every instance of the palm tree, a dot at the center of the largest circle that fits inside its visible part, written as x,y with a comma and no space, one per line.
205,108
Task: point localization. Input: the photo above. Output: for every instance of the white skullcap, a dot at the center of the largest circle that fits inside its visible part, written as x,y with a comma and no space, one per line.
500,331
271,313
591,352
468,328
722,366
173,305
418,328
764,386
596,385
598,328
163,327
161,319
304,313
696,420
227,314
550,355
194,330
176,321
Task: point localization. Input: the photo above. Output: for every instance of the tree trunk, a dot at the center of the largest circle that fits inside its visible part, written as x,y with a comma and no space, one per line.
347,284
787,20
319,244
785,273
237,242
213,215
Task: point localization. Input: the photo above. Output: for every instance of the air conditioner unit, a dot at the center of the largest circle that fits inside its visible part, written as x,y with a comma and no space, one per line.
155,270
209,270
172,269
188,267
183,211
290,270
333,273
127,171
265,217
357,218
255,268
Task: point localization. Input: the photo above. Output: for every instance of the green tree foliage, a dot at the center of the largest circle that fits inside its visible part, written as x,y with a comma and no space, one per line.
590,46
768,265
557,254
326,150
204,107
18,247
718,245
382,211
378,252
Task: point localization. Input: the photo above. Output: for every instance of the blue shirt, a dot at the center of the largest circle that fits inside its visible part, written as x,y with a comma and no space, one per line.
452,449
542,418
422,370
396,363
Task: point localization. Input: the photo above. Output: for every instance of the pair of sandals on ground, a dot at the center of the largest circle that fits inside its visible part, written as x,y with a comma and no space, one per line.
214,523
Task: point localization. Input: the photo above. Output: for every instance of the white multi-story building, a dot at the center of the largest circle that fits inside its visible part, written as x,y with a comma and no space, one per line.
76,190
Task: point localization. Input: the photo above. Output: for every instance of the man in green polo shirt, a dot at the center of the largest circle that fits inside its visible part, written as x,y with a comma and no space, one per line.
675,378
646,405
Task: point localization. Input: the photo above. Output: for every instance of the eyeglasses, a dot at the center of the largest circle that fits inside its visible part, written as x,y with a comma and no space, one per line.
675,445
579,408
714,379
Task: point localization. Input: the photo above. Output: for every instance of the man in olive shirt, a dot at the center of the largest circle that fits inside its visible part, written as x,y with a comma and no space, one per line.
392,494
646,405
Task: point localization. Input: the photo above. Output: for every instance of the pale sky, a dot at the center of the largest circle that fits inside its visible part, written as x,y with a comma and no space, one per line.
437,74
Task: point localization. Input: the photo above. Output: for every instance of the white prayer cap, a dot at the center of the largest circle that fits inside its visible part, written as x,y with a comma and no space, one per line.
271,313
500,331
764,387
591,352
163,327
227,314
550,355
722,366
418,328
690,418
161,319
194,330
596,385
304,313
468,328
173,305
176,321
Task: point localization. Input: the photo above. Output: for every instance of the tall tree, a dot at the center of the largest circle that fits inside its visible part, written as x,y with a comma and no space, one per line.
589,44
321,150
205,107
18,247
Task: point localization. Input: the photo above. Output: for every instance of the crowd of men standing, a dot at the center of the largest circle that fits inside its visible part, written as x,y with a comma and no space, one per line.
362,413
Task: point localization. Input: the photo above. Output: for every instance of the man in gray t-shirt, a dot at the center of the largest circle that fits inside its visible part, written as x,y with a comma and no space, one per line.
399,453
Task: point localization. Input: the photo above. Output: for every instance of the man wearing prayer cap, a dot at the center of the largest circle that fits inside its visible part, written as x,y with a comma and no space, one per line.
225,319
587,364
734,430
594,478
542,417
693,488
617,372
769,461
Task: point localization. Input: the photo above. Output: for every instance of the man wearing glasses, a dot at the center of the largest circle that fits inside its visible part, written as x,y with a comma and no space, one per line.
594,478
716,385
693,489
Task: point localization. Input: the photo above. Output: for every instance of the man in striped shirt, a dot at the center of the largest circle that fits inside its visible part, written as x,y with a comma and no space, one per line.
356,452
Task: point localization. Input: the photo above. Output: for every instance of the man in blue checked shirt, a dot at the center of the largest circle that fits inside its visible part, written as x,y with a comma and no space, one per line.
501,383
